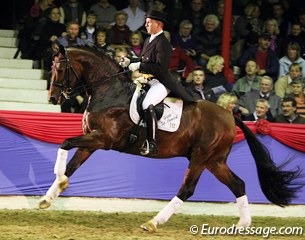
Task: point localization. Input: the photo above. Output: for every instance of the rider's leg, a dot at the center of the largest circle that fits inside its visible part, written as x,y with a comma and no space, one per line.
155,95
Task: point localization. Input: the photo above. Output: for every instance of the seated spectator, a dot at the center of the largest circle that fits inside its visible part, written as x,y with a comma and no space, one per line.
118,36
278,13
184,39
105,13
179,60
282,85
248,82
271,26
227,101
136,16
71,39
293,56
265,91
265,58
101,43
208,40
214,75
294,36
262,111
88,32
298,94
30,32
136,45
120,54
196,86
50,32
72,10
289,114
248,26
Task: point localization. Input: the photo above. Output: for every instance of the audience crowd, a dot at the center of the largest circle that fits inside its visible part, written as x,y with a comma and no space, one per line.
267,47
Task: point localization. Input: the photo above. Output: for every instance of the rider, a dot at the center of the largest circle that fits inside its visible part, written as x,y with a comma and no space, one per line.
155,59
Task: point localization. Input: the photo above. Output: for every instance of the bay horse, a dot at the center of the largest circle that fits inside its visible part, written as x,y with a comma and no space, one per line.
205,135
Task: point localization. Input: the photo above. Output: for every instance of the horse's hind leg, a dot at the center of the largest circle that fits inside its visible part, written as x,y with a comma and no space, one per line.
225,175
187,189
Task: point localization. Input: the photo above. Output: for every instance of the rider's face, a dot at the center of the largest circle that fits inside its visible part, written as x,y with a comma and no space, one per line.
152,26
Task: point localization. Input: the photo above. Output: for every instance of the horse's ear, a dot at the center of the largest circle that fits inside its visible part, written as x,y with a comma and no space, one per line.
58,48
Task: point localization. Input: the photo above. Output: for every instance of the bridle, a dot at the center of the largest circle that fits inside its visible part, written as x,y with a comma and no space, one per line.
65,87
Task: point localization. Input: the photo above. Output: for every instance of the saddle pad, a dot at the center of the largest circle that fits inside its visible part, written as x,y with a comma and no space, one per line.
171,117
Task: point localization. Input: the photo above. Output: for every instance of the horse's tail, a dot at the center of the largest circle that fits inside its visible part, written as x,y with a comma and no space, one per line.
279,186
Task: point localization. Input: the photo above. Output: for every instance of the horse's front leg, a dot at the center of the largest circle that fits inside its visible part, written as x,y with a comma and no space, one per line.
86,146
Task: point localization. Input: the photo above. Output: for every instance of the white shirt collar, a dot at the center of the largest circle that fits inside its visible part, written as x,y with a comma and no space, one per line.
153,36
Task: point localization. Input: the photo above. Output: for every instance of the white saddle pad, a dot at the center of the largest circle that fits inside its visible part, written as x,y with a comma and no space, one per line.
171,117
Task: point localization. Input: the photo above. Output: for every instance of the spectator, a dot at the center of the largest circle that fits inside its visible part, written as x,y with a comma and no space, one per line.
278,13
88,32
227,101
208,40
31,31
282,85
136,16
71,39
197,87
72,10
101,43
301,18
271,26
293,56
298,93
289,114
184,39
262,111
265,91
179,60
136,46
214,75
50,32
195,13
265,58
120,54
118,36
105,14
248,82
294,36
248,26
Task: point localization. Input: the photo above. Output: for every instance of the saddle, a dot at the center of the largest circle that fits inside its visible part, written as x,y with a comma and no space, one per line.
168,112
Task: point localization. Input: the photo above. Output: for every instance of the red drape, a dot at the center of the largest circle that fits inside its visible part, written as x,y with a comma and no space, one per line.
56,127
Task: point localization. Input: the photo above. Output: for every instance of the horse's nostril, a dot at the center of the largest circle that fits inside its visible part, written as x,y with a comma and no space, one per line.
53,100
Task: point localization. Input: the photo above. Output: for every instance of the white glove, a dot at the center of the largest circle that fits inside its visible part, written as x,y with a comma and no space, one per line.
124,62
134,66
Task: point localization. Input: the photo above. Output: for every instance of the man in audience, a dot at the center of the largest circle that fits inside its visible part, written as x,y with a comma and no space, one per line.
265,91
249,81
265,58
289,115
262,111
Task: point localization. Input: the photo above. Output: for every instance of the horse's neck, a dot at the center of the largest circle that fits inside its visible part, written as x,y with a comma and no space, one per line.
115,93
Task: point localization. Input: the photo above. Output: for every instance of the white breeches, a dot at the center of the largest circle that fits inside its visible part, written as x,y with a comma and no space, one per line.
155,94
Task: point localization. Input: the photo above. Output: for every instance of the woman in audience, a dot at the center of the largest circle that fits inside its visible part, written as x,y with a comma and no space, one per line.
227,101
136,45
271,26
101,43
293,56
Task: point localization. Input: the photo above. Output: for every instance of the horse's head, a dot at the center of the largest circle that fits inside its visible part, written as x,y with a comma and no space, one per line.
65,76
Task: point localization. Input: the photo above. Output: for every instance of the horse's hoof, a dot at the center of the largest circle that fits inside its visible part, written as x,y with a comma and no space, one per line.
149,226
63,183
244,223
44,203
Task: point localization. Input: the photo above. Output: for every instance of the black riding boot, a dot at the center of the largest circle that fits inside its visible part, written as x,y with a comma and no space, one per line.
149,147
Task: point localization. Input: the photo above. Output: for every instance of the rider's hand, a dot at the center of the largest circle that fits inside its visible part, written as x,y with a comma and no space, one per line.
134,66
124,62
